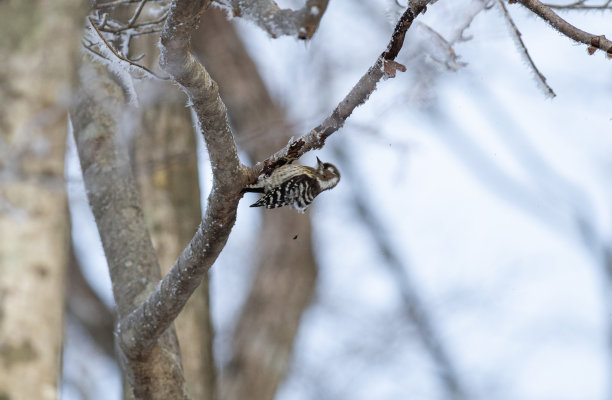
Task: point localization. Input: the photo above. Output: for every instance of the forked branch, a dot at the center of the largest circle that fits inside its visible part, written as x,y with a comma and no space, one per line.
140,330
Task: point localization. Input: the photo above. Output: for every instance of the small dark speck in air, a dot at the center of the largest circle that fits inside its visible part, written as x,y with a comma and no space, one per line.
295,237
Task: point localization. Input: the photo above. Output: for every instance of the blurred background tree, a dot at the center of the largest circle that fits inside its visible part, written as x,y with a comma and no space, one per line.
39,45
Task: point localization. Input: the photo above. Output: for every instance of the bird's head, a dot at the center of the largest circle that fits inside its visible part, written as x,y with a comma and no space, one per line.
329,173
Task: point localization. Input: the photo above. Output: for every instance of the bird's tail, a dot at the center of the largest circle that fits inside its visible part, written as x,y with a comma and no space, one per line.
259,203
252,189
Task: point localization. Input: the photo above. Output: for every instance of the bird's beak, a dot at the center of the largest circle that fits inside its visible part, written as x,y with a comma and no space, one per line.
319,161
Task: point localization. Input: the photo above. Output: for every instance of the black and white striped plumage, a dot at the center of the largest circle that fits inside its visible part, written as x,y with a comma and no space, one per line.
294,185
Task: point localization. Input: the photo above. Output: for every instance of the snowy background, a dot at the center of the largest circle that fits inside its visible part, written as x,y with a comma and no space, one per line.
496,200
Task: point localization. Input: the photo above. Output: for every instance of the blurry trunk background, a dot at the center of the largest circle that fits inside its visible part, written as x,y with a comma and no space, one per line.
38,47
285,277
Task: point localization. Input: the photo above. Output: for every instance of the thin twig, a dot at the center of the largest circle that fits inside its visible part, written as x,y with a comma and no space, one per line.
516,34
136,13
149,32
121,57
119,29
138,58
116,3
160,20
104,20
580,5
91,49
593,41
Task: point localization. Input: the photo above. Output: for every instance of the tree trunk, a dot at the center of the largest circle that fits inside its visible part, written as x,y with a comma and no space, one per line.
38,48
115,202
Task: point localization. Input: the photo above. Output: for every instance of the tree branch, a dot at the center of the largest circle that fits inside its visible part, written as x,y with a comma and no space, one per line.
516,35
266,14
580,5
593,41
385,66
139,331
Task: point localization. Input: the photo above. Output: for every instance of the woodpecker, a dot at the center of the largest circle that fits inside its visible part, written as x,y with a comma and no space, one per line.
294,185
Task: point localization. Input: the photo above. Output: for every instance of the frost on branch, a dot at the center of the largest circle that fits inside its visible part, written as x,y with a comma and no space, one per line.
110,40
120,69
545,12
266,14
522,49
